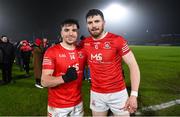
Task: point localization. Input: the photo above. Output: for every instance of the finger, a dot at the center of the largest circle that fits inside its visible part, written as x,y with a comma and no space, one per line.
126,106
131,110
134,107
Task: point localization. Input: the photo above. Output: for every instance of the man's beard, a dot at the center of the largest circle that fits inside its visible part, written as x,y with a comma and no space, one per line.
96,35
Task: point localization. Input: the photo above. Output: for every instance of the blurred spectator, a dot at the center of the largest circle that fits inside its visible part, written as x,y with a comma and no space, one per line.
87,73
37,61
19,60
45,44
1,54
26,54
7,59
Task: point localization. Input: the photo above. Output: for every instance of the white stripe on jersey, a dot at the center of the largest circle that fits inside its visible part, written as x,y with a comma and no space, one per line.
125,48
47,61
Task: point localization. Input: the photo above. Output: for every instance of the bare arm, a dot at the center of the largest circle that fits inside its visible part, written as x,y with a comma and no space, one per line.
129,59
47,80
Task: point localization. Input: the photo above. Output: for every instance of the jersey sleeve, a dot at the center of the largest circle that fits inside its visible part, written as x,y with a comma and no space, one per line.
82,45
122,46
48,59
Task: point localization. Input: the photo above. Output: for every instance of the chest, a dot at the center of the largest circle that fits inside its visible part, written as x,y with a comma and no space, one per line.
101,51
69,59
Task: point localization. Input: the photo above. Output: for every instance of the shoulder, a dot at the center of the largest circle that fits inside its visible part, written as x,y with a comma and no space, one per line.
115,36
117,39
54,47
9,44
83,42
87,39
79,49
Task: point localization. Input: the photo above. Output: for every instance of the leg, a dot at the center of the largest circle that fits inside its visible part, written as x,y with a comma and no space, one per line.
98,104
38,83
77,111
94,113
59,112
6,72
117,102
9,72
4,77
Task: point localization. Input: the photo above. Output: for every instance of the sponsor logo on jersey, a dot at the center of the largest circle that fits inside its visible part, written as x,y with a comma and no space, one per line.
97,57
62,55
96,45
87,44
76,65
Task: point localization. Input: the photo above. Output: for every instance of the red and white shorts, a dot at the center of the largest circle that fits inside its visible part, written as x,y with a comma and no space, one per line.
101,102
65,112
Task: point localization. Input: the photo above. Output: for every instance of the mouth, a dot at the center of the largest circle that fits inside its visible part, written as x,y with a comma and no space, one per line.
71,39
94,29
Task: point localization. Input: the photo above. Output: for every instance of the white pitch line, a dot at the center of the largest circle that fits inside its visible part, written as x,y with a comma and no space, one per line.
159,107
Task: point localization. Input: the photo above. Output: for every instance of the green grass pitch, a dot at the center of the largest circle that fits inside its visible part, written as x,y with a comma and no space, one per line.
160,82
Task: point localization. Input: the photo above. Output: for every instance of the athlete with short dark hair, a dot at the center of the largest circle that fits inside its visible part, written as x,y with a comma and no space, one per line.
62,73
105,53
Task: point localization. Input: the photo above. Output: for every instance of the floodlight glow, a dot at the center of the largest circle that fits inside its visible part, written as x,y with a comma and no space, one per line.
115,12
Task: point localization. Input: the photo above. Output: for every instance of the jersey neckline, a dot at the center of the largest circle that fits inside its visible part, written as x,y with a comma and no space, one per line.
66,48
101,37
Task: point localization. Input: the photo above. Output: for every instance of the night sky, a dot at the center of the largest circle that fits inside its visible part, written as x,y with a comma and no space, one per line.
27,19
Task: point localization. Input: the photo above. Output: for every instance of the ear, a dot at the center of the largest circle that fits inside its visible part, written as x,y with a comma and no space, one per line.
104,22
61,34
86,25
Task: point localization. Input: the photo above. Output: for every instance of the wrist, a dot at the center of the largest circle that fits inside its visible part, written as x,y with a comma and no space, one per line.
61,79
134,93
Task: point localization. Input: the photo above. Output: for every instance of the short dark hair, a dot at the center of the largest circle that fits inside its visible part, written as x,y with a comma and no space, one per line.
93,12
69,21
3,36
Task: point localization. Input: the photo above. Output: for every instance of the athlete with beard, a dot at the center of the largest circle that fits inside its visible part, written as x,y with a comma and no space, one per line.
62,73
105,53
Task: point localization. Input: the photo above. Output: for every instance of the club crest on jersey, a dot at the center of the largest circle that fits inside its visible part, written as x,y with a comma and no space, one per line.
80,55
107,45
72,56
93,102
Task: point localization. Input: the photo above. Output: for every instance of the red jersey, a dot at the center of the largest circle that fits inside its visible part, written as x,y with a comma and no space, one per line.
104,59
60,59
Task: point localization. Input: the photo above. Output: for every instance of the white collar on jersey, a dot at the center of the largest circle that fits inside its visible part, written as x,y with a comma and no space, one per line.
67,47
101,37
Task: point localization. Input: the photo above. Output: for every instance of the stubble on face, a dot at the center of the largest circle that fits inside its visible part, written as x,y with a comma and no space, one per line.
69,34
98,33
95,26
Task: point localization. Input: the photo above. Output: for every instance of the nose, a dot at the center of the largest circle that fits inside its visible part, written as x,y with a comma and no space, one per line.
70,33
93,24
